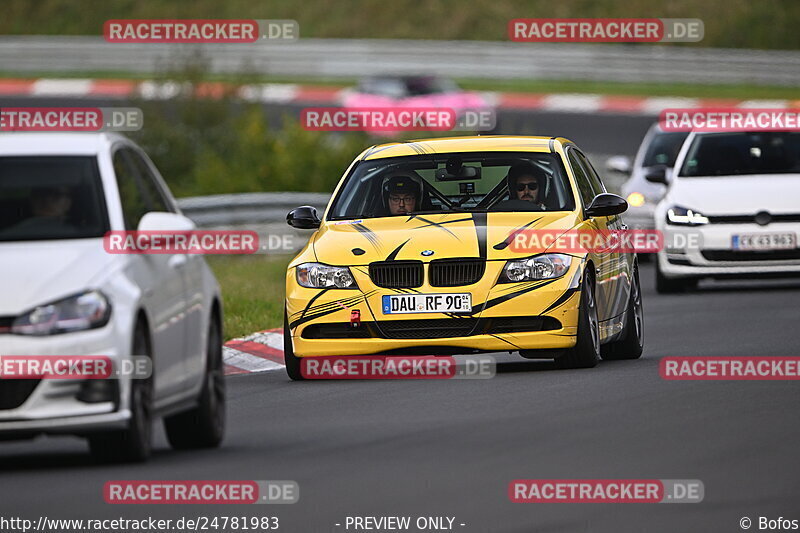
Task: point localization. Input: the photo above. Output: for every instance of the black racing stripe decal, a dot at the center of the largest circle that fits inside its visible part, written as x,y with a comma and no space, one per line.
393,255
506,297
312,300
375,150
504,340
427,148
368,234
338,303
479,219
333,307
440,225
562,299
511,236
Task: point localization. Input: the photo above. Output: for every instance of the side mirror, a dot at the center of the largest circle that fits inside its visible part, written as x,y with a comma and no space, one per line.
657,174
619,163
160,221
606,205
304,217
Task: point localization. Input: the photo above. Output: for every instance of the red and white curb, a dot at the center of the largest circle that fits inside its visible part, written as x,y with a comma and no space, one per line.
259,352
282,93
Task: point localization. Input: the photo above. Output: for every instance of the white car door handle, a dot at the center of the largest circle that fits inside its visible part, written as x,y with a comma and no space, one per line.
177,261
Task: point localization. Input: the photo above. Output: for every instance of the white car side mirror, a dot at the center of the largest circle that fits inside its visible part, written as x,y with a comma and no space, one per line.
160,221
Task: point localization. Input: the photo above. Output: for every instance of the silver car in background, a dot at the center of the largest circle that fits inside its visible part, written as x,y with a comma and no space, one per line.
656,155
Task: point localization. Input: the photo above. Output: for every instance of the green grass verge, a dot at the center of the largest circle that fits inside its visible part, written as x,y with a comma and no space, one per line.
252,291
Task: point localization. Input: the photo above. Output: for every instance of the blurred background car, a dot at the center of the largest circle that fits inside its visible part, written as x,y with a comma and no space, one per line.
656,154
63,294
413,92
731,209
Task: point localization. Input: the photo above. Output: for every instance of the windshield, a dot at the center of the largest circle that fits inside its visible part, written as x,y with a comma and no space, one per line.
50,198
732,154
664,148
445,183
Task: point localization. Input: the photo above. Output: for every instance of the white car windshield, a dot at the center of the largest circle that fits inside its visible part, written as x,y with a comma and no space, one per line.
740,153
51,197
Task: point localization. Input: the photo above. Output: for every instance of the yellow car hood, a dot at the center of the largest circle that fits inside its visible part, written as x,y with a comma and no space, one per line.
360,242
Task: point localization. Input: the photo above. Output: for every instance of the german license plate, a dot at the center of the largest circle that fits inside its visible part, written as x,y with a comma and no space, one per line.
764,241
427,303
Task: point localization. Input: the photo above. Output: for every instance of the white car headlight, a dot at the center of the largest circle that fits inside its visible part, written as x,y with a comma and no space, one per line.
545,266
88,310
682,216
319,276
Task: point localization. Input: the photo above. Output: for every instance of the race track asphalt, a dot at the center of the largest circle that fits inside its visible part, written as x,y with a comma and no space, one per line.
450,448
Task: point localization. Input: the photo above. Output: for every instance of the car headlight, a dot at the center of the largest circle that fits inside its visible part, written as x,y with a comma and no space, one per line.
88,310
681,216
635,199
319,276
545,266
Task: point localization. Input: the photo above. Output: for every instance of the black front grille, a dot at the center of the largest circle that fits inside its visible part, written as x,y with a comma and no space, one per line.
455,272
433,328
337,330
520,324
396,274
14,392
5,323
767,255
751,219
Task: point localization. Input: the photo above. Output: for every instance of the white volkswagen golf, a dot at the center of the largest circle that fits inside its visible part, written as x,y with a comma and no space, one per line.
732,209
62,294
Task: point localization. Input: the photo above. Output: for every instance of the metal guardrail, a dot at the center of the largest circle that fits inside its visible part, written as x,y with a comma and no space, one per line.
248,208
330,58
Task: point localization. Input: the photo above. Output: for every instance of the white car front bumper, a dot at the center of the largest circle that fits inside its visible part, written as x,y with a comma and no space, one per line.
707,250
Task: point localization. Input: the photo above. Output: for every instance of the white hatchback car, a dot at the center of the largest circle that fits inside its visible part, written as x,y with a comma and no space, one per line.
63,294
732,209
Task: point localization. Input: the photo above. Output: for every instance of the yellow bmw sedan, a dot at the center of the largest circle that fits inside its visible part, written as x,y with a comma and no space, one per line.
422,251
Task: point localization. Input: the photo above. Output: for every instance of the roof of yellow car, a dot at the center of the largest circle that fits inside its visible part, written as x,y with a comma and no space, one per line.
483,143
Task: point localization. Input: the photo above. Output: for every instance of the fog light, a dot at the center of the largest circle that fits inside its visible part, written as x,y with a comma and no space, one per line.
99,391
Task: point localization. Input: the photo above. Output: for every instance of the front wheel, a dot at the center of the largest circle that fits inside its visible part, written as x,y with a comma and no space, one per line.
132,444
631,344
203,426
586,352
665,285
291,360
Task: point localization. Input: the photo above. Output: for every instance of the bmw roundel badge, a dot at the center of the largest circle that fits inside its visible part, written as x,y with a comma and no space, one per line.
427,253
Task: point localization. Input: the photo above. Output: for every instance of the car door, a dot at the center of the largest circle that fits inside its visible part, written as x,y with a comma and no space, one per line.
192,269
161,280
620,275
603,261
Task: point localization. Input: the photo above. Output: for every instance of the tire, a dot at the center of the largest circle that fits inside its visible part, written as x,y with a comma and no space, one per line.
665,285
203,426
291,360
586,352
132,444
631,344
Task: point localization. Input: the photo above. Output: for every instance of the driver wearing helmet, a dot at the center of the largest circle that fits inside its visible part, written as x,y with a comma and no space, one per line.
402,195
